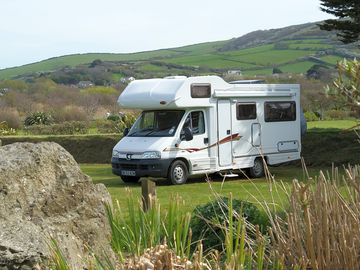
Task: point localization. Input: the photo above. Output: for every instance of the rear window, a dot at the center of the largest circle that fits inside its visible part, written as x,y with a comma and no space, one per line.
279,111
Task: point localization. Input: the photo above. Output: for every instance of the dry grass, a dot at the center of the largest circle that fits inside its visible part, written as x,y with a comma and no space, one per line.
322,225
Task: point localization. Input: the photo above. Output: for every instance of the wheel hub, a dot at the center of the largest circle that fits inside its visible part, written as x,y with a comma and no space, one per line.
178,173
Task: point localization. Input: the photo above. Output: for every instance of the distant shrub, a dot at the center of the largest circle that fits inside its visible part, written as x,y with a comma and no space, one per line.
115,126
73,127
310,116
38,118
106,126
66,128
6,130
104,90
208,219
336,114
276,70
129,119
113,117
70,113
11,117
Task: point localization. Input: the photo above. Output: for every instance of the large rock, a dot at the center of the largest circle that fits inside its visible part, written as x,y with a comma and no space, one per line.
43,193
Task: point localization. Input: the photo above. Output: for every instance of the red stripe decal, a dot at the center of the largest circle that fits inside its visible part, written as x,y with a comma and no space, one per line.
233,137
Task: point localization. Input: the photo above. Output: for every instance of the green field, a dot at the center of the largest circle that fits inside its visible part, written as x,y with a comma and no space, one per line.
198,191
253,56
331,59
299,67
335,125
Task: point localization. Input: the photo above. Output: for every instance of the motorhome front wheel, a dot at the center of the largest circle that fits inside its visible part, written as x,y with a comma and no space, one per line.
178,173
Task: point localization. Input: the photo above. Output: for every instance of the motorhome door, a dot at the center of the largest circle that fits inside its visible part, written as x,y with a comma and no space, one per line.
198,147
224,132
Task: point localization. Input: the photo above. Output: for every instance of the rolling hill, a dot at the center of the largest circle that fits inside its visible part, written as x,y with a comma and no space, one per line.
292,49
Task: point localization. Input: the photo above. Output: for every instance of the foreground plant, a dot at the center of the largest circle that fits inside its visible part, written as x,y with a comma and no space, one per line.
322,226
141,230
319,230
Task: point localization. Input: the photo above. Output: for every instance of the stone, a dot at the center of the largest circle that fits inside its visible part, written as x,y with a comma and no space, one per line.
43,195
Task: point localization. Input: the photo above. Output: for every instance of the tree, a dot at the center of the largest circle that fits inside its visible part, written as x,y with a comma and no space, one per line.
348,22
348,83
276,70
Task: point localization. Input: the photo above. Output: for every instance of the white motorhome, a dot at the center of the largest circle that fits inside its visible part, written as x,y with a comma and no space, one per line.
199,125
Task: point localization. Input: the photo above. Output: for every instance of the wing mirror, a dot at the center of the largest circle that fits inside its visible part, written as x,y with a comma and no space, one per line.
126,131
188,134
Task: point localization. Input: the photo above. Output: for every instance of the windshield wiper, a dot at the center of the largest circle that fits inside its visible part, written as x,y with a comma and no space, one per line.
140,131
151,131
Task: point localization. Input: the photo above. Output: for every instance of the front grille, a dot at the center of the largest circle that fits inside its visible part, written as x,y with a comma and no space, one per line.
144,167
128,166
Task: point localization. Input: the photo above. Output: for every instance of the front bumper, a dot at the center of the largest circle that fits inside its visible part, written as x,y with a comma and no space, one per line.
141,167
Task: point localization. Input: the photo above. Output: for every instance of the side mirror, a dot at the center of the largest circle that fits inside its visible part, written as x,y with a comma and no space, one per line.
126,131
188,134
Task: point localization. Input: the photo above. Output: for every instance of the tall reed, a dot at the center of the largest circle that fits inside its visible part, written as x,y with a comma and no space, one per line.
322,225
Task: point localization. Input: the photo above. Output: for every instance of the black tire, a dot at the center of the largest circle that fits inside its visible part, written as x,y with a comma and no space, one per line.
178,173
130,179
257,170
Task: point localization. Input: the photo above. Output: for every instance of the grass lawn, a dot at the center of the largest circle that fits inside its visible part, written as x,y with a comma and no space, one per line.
332,125
198,191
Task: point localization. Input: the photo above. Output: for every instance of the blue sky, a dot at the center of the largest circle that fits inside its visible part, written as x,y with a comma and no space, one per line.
34,30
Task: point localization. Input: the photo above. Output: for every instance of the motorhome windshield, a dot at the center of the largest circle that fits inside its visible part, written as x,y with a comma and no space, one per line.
156,124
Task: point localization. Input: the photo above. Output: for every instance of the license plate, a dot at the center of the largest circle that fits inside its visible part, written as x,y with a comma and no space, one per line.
128,173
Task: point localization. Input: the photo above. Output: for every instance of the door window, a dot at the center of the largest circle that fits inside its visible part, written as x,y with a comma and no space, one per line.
195,120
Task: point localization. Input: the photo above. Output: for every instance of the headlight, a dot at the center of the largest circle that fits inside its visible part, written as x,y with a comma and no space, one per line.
115,153
151,155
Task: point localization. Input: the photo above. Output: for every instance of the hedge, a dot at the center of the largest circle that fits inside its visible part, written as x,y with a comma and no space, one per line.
319,148
84,148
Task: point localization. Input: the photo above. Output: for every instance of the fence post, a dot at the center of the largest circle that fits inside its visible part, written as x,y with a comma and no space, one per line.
148,190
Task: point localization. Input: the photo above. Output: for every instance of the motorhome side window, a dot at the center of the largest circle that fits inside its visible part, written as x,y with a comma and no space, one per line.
195,120
279,111
245,111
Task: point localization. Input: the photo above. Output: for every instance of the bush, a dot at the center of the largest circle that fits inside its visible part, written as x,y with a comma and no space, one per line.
6,130
113,117
310,116
11,117
336,115
106,126
208,219
67,128
38,118
70,113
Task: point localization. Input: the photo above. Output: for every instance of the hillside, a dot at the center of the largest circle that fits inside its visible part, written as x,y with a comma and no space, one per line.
291,49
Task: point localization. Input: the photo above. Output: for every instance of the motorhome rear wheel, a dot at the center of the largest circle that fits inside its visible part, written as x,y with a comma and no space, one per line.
257,170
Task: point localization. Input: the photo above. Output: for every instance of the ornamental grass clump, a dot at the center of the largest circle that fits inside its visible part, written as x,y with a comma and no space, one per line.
322,225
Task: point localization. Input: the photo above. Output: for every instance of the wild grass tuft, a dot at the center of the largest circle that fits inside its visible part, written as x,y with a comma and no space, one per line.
140,230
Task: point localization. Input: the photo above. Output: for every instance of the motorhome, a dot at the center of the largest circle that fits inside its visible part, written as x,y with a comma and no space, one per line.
203,125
